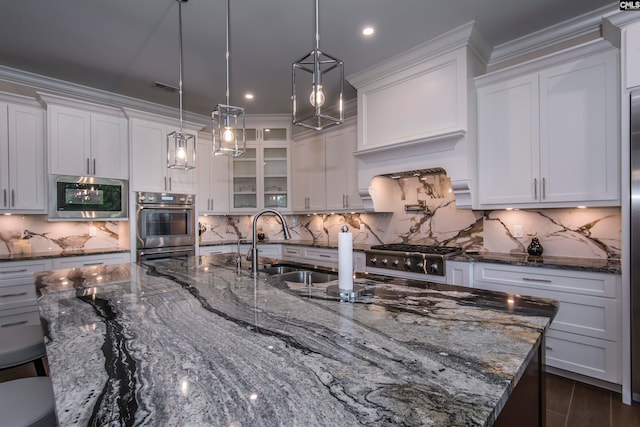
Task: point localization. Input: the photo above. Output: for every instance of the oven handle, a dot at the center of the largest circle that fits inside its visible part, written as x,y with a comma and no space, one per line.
164,207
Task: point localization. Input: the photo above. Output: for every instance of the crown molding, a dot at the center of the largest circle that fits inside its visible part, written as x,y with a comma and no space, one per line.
579,26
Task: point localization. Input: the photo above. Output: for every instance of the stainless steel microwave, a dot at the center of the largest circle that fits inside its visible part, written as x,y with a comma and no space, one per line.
87,198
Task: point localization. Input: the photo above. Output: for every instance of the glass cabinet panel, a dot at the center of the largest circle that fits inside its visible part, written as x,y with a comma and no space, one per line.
245,180
275,177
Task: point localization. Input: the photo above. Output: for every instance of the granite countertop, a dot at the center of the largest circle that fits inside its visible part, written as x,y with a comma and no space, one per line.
60,253
309,243
196,343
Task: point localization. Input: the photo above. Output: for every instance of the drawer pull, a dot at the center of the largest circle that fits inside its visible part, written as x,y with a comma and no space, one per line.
7,325
13,295
22,270
529,279
90,264
324,256
548,348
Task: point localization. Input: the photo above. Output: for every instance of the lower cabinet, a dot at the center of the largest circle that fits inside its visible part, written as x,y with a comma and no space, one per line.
90,260
585,336
18,304
268,250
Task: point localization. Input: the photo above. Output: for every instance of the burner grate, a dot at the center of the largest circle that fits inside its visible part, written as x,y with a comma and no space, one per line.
423,249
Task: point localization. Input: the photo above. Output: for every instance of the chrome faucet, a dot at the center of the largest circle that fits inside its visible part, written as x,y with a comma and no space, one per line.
254,247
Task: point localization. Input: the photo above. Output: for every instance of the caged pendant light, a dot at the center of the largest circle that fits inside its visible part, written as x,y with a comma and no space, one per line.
228,122
181,147
317,87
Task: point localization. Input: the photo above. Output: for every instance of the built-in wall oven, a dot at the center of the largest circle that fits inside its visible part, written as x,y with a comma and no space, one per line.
166,225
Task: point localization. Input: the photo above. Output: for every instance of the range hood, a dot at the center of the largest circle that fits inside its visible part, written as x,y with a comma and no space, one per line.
417,114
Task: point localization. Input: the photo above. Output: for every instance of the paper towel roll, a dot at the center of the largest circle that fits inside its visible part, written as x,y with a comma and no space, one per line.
345,261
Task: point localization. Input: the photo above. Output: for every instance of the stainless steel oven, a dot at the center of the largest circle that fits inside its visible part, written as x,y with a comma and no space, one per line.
165,225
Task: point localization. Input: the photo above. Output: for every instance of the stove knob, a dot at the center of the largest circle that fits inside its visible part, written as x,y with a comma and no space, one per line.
373,260
395,262
141,199
407,265
433,268
384,261
420,266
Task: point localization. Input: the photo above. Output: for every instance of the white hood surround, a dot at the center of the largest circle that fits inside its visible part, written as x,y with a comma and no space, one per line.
417,111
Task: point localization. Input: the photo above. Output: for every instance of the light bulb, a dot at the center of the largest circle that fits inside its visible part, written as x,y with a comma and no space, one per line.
228,135
316,98
181,153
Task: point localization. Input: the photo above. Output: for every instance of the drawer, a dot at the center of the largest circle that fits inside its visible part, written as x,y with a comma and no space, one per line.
292,251
579,314
583,355
22,268
328,255
90,260
20,317
269,251
212,250
577,282
20,295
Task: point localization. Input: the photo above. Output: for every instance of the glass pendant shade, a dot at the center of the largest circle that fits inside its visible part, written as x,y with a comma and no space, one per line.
317,88
181,147
181,150
229,137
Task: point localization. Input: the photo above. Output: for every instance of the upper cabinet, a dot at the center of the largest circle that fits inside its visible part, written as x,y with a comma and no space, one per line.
149,156
86,139
549,138
325,171
260,177
631,55
22,166
213,178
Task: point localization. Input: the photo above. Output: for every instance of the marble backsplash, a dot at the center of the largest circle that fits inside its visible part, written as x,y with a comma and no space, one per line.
59,236
425,213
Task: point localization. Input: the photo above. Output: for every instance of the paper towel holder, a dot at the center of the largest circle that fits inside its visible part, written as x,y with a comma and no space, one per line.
350,296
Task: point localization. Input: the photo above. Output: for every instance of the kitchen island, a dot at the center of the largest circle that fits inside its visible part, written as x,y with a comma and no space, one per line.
198,342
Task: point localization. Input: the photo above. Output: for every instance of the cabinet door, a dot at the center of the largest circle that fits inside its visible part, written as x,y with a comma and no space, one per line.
336,171
631,49
354,201
26,158
508,153
579,127
149,156
213,180
244,180
69,141
4,158
275,176
316,171
109,146
300,178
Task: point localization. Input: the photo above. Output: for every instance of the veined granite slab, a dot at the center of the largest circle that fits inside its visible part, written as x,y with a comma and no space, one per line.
60,253
195,343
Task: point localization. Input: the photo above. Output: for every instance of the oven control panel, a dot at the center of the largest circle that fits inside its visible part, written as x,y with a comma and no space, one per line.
407,262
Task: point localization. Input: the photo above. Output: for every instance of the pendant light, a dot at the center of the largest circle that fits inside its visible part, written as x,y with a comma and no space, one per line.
228,121
181,147
317,86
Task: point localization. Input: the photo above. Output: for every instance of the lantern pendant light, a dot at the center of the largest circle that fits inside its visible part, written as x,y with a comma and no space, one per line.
228,122
181,147
317,87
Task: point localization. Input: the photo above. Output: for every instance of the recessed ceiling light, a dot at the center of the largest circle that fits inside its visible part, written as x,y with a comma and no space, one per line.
248,96
367,31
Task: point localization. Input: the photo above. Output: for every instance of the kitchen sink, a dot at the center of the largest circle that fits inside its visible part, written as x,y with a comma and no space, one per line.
279,269
308,277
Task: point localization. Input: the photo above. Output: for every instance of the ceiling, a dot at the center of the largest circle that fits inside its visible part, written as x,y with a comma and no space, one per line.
123,46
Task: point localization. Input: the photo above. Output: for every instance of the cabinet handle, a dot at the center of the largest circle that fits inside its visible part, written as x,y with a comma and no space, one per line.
535,188
324,256
23,270
170,183
88,171
13,295
347,198
94,166
544,188
13,198
343,203
165,183
529,279
5,197
7,325
548,348
90,264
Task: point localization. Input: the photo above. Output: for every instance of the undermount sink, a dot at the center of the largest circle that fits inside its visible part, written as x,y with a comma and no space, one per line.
279,269
308,277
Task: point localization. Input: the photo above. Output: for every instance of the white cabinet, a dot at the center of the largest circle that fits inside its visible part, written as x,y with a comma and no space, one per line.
260,178
213,179
308,174
631,55
459,273
22,167
341,169
90,260
85,139
18,305
325,172
531,127
585,336
149,158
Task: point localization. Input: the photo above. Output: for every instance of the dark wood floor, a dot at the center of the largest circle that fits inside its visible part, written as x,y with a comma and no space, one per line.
569,403
575,404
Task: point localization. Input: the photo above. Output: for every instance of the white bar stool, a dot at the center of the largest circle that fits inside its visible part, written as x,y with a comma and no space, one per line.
25,401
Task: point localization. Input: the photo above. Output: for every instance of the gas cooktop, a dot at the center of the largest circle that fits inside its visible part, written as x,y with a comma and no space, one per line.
422,249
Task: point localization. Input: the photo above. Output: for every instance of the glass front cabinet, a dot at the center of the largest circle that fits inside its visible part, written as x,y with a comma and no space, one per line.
260,177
